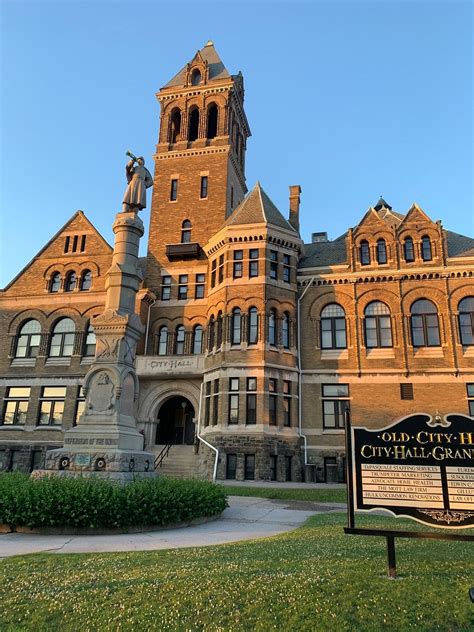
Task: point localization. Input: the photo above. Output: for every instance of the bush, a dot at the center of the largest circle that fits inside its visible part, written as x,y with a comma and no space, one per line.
92,503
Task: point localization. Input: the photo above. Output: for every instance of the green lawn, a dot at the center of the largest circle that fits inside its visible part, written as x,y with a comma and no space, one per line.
314,578
314,495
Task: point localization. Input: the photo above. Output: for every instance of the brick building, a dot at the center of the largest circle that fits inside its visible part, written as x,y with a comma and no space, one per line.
255,342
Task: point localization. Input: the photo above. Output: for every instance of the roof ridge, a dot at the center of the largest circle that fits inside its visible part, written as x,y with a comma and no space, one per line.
259,189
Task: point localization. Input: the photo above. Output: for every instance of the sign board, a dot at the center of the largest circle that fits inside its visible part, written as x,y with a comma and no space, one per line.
420,467
82,459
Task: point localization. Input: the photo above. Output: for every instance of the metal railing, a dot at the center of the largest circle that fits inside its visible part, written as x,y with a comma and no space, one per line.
164,453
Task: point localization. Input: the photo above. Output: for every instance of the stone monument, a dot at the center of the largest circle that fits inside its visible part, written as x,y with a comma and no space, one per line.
106,441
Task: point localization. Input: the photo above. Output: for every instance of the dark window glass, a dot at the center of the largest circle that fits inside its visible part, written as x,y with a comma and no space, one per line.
378,330
286,403
288,467
175,126
183,287
219,330
74,243
55,284
86,280
330,464
80,405
426,248
16,406
196,77
89,346
197,339
231,466
333,327
204,186
364,251
70,284
221,268
193,125
335,401
236,326
212,113
163,341
470,390
29,338
165,288
251,417
200,285
285,331
272,327
174,190
273,467
238,267
66,244
83,242
272,408
424,324
381,251
62,339
249,473
179,340
466,321
335,390
286,268
52,405
213,273
211,334
215,407
252,326
186,232
253,263
409,251
273,264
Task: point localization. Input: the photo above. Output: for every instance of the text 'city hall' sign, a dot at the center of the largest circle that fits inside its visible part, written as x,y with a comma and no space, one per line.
420,467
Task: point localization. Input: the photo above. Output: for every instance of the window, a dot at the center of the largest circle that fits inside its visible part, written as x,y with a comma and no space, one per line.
285,331
330,469
249,471
55,284
287,403
197,339
424,324
212,121
163,341
236,326
378,330
186,232
252,326
426,248
364,253
70,284
74,243
200,285
272,327
238,264
16,406
234,400
80,405
207,404
381,251
193,125
213,273
211,335
220,272
204,187
466,320
251,408
231,466
52,405
196,77
179,340
335,401
219,330
406,391
83,242
183,287
62,339
89,345
86,281
333,327
408,250
29,339
286,268
273,264
273,467
253,263
66,243
165,288
288,467
215,403
470,399
174,190
272,402
175,125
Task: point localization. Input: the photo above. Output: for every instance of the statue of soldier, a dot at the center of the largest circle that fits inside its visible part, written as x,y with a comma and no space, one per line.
139,180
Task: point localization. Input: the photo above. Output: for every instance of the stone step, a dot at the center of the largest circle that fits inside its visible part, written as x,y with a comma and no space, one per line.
181,462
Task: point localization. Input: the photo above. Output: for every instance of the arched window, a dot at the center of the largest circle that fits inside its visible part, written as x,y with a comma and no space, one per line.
70,284
196,77
163,341
219,330
211,334
212,121
62,339
89,346
381,251
175,125
424,324
193,124
333,327
86,280
252,337
285,331
179,340
186,232
426,248
55,283
272,327
408,250
236,338
197,339
29,338
378,329
466,320
364,252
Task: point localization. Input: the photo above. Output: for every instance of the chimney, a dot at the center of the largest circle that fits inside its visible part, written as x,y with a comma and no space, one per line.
294,218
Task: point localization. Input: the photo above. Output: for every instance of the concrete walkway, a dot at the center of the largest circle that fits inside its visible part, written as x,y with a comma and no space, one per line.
245,519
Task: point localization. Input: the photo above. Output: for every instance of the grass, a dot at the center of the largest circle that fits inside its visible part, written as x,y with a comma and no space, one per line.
313,495
314,578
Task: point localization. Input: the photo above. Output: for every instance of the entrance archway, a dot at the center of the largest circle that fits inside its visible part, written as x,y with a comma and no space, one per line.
175,422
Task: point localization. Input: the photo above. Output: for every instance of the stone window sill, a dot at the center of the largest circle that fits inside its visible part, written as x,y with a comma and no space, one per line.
23,362
11,427
57,427
58,361
334,354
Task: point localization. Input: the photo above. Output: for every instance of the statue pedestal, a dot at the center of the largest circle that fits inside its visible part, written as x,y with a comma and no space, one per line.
106,441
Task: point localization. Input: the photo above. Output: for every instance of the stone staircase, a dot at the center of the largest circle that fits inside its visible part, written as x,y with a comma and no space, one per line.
181,462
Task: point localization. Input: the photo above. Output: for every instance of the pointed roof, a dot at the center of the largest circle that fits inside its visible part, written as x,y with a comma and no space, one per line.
208,54
382,204
257,208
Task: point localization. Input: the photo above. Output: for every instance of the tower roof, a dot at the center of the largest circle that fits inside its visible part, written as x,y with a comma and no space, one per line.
382,204
257,208
208,54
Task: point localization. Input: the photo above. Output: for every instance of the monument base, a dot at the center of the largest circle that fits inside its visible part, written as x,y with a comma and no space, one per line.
120,477
113,464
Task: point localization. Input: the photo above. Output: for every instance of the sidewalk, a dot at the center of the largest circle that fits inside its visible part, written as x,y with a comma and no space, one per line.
245,519
276,485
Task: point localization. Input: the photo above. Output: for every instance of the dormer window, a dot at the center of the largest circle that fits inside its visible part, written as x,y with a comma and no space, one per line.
381,251
55,284
426,248
364,253
408,249
196,77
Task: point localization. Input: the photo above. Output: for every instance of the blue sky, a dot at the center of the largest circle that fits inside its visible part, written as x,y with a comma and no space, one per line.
350,100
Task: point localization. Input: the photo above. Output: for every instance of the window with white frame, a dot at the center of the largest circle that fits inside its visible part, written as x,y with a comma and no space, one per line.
335,400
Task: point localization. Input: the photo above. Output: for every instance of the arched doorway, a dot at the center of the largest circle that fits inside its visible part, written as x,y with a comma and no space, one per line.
175,422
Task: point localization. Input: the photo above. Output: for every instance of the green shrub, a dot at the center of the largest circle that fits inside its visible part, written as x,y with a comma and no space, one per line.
60,502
